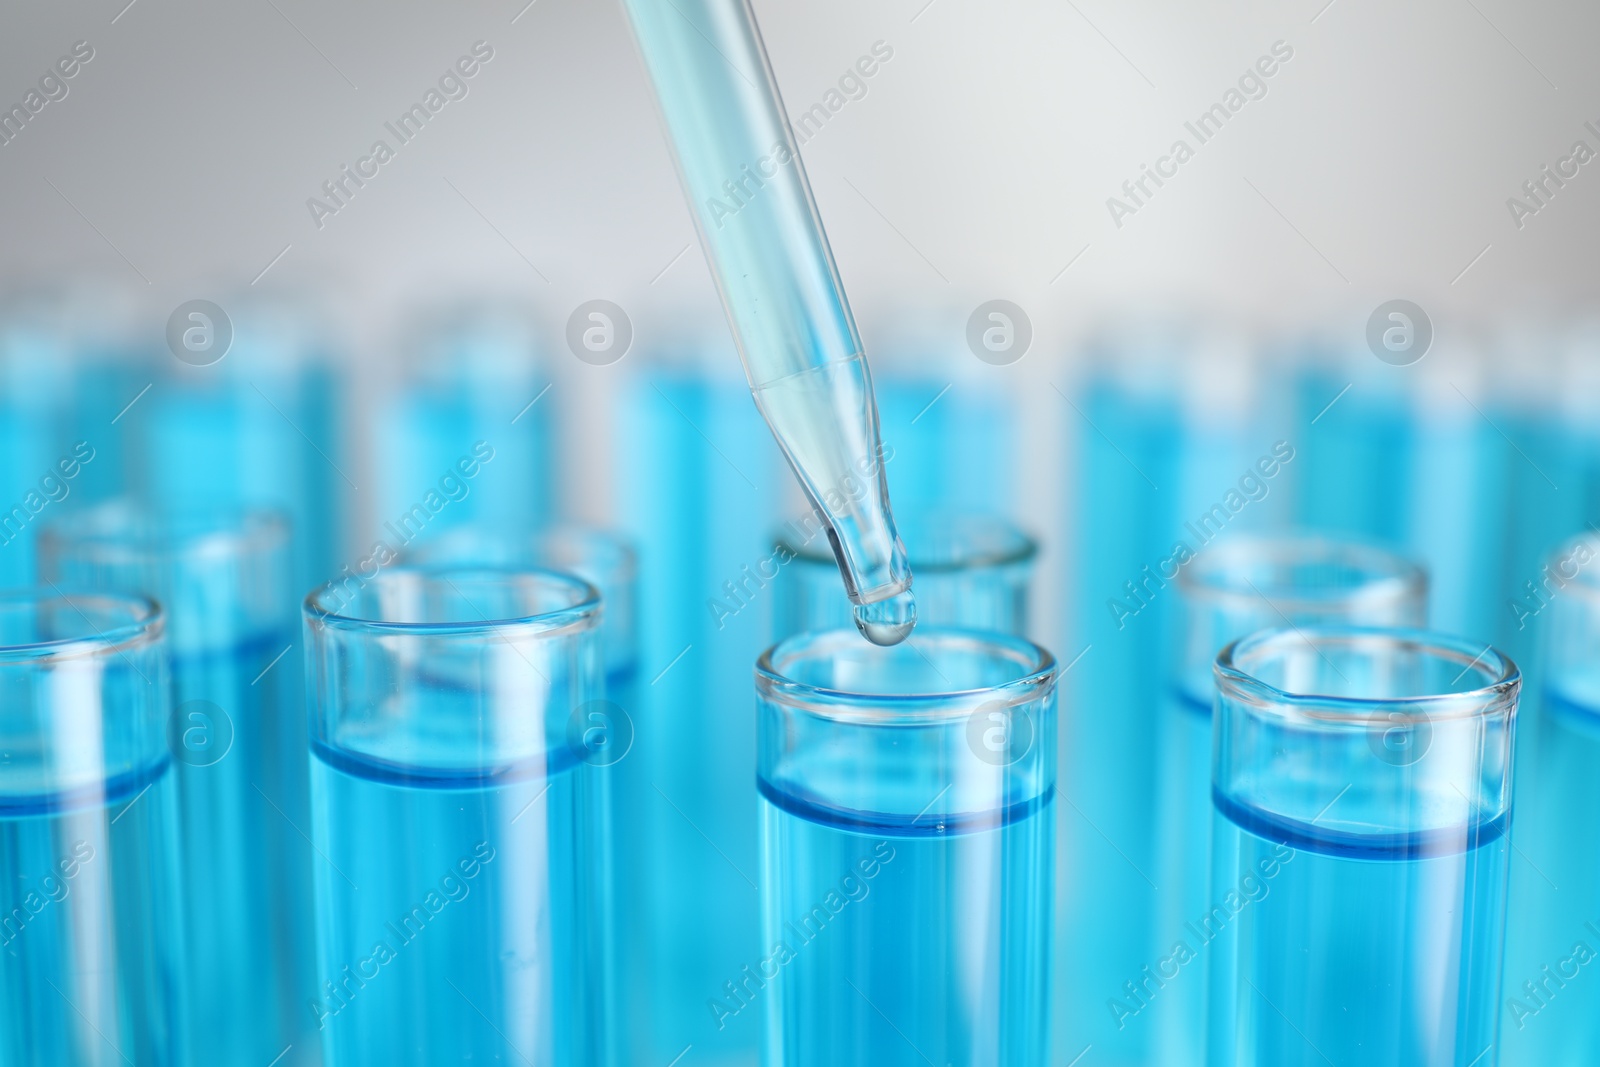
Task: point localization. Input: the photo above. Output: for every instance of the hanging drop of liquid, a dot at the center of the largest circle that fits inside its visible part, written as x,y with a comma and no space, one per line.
887,622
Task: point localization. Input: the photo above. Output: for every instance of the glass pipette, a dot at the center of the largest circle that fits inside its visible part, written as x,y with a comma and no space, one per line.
758,224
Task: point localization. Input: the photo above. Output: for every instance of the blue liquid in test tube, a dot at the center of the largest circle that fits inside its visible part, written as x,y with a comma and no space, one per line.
475,389
91,902
951,442
1550,1012
1128,445
259,428
612,733
1231,589
237,735
1362,785
459,917
973,571
907,851
698,492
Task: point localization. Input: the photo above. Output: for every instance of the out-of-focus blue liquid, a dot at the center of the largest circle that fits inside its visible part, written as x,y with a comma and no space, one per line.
1178,1015
903,940
89,902
452,923
241,779
1550,1003
1332,946
1107,857
699,483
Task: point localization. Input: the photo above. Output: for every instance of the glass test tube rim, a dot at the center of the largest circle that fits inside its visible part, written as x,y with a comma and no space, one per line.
1037,676
583,612
1386,575
1018,547
568,545
120,532
146,625
1498,697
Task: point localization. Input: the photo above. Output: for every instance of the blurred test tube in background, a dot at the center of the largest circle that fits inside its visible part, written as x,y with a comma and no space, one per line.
1127,430
698,489
974,572
1551,1011
473,387
254,418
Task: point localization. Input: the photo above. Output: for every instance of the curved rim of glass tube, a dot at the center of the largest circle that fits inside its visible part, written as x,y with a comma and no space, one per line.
120,532
1036,673
1585,580
1384,574
1501,677
581,612
985,541
146,622
581,546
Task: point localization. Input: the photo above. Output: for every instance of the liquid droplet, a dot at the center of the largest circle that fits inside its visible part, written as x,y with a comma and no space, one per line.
887,622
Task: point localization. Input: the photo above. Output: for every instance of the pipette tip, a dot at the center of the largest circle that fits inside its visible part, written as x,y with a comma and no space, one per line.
889,621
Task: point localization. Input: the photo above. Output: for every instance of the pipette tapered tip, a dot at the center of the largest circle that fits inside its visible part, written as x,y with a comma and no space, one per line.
887,622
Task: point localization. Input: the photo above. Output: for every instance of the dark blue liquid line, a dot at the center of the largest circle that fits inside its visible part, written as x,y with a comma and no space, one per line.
104,793
797,802
263,645
1187,701
1407,845
410,776
1561,706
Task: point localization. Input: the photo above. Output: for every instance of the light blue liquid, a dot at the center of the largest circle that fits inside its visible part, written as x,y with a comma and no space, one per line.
1177,1017
452,921
90,950
432,427
1355,460
245,862
1336,947
900,941
951,452
1107,872
626,875
1553,940
209,444
701,509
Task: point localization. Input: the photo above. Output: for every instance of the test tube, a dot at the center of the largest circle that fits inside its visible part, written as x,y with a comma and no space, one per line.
224,580
611,733
1362,787
1232,589
907,841
466,437
254,426
698,490
973,571
458,912
1123,520
91,943
1551,1016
